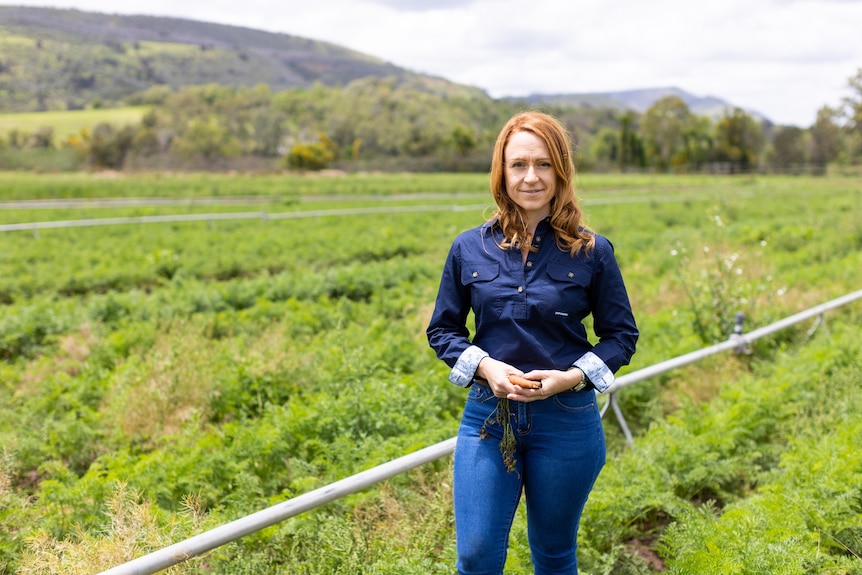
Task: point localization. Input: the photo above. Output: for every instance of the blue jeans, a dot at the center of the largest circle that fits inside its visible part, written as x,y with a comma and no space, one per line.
560,450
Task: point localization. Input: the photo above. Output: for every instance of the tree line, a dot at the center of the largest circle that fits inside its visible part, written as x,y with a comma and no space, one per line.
392,124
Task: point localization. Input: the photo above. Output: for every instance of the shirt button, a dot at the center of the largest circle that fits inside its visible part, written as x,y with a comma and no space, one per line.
520,289
529,264
571,274
538,238
475,274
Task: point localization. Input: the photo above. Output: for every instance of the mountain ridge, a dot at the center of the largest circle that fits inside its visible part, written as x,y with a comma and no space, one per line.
639,100
82,57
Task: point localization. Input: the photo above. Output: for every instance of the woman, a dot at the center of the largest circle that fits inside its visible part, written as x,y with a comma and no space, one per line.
530,275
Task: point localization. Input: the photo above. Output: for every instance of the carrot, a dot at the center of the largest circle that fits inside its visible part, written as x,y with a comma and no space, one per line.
521,381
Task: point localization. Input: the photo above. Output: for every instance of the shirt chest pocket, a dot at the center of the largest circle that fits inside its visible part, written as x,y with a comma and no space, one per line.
568,296
473,273
485,292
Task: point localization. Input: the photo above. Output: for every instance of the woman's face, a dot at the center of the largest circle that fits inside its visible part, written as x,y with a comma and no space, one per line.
531,181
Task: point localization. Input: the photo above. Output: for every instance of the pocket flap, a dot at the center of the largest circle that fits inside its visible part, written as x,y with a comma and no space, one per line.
575,274
472,272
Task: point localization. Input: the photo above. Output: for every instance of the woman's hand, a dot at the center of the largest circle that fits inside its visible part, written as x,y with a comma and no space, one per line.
553,382
497,373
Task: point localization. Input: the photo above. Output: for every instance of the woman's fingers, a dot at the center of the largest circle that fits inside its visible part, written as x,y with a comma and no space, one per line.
522,381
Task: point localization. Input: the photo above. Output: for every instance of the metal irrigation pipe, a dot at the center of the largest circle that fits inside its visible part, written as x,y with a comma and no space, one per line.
738,341
234,216
131,202
209,540
178,552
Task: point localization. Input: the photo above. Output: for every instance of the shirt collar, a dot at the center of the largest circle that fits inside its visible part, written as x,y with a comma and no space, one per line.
488,226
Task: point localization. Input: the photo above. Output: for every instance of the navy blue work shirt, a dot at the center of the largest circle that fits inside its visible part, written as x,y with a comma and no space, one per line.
529,315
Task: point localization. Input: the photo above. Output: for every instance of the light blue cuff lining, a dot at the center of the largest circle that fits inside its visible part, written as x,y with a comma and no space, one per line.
597,370
464,371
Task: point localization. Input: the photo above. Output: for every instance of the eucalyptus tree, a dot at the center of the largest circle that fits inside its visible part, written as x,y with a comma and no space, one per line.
738,140
788,148
853,114
631,147
854,103
663,128
699,143
824,145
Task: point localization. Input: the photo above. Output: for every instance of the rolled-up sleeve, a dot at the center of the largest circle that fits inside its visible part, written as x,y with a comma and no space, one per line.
465,368
596,370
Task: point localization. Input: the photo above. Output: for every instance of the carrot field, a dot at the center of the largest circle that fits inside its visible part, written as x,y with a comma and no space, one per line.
210,345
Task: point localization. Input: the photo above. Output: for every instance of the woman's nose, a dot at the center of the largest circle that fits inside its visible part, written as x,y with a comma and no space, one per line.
531,174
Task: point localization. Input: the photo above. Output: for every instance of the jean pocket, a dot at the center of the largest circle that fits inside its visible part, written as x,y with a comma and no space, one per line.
575,402
480,392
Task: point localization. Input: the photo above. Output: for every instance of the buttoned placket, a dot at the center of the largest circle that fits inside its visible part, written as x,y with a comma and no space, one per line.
523,271
531,256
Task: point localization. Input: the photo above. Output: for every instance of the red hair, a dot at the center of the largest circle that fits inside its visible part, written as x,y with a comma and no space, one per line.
566,215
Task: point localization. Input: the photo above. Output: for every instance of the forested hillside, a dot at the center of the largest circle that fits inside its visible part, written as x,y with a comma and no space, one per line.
66,59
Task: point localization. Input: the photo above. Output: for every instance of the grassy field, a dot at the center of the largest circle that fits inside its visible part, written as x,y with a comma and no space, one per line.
70,122
160,379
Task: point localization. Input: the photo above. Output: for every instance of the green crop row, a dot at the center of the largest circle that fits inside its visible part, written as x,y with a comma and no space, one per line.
26,186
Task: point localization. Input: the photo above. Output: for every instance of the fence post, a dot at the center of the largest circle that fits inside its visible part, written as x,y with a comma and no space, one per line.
742,346
612,400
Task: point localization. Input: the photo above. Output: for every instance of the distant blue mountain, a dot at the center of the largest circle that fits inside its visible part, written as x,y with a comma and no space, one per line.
637,100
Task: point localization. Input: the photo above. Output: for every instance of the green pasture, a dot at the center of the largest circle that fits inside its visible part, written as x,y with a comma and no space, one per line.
67,123
160,379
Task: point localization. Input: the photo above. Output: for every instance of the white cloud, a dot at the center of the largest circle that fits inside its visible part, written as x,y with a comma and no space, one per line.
422,5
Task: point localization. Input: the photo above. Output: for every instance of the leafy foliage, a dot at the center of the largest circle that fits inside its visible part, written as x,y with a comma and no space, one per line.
311,156
806,515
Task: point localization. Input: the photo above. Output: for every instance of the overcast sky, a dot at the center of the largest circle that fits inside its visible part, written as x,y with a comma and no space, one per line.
782,58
